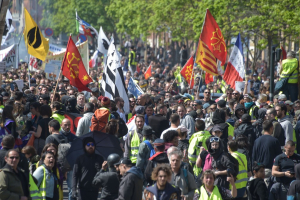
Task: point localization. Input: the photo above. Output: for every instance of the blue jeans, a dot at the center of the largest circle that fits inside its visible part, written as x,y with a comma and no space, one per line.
291,91
69,183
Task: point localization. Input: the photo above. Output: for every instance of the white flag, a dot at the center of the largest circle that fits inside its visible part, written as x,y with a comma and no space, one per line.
8,27
103,42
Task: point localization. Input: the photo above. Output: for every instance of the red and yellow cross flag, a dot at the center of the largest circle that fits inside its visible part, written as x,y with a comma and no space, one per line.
206,59
147,73
187,72
72,67
212,36
36,44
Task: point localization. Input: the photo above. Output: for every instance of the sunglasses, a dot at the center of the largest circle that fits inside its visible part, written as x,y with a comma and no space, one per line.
214,139
14,157
90,144
195,104
235,93
207,92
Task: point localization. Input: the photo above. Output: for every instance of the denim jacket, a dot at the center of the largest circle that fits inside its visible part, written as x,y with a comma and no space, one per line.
50,182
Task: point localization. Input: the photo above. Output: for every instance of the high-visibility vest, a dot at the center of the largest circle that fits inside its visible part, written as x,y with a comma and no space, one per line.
230,130
251,113
215,195
2,106
134,143
222,85
290,66
295,140
58,117
129,116
34,190
242,177
132,60
194,150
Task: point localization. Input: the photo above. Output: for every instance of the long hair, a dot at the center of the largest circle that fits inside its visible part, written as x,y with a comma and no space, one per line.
7,114
112,127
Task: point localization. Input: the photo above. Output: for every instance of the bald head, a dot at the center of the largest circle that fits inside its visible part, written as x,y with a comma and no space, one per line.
66,125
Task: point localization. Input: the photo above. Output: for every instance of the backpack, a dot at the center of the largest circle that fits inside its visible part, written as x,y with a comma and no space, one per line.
63,149
235,162
100,119
152,151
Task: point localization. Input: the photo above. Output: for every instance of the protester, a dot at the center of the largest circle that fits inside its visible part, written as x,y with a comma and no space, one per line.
257,189
84,122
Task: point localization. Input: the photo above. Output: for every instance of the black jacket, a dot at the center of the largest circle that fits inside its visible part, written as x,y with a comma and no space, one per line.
219,119
84,171
247,130
258,189
131,186
109,181
158,123
158,158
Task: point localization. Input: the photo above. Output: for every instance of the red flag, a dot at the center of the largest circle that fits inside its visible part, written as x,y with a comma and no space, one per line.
86,31
208,78
72,67
283,53
188,73
212,36
148,73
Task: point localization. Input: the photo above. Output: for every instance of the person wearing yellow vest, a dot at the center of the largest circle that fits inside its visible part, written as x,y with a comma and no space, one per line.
290,69
131,107
57,111
134,139
242,176
13,181
132,62
197,140
250,107
47,181
209,191
222,84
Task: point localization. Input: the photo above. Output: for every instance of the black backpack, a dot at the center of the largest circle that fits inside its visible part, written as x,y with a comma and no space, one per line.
235,170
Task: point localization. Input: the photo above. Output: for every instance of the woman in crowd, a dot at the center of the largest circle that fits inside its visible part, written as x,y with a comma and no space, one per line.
8,122
32,157
47,181
210,191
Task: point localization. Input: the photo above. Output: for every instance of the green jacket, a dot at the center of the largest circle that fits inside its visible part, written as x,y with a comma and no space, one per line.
10,185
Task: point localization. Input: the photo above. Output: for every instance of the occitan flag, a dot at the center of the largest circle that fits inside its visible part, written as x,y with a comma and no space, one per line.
206,59
148,73
35,42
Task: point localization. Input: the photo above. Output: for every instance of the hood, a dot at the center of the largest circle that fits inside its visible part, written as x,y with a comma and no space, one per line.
87,140
218,117
215,153
137,171
231,121
64,99
286,118
262,113
88,114
237,107
297,171
254,183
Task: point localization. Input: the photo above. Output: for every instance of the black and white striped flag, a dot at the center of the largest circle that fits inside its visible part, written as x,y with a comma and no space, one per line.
113,84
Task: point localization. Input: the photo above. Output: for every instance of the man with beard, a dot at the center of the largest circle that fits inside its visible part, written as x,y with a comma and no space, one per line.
285,121
84,171
120,104
207,97
186,120
238,112
134,139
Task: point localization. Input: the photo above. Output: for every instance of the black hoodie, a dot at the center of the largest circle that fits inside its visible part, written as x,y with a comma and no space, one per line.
71,105
258,189
237,107
219,118
295,185
258,123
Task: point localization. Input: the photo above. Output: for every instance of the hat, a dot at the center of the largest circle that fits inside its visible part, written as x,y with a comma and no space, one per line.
140,110
186,100
282,96
246,118
186,95
105,101
147,130
88,140
180,101
198,102
221,103
247,96
288,102
276,96
206,105
95,89
216,128
159,142
125,161
100,98
182,129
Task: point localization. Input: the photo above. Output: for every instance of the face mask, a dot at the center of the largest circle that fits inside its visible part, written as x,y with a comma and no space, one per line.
248,104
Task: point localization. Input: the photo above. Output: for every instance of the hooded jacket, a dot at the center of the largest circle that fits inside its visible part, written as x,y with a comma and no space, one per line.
286,124
237,107
219,118
258,189
158,158
294,190
258,123
84,124
71,105
131,186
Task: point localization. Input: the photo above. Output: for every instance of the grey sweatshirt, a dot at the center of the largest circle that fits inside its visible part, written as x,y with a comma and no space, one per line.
287,127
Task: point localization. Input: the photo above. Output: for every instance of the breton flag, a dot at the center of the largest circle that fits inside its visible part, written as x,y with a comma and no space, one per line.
113,84
8,27
103,42
235,70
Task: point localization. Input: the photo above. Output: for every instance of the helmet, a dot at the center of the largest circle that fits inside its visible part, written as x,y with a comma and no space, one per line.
112,159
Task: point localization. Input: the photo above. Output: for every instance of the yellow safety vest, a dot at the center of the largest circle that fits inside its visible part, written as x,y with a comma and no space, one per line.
134,143
230,129
215,195
194,150
295,140
242,177
133,62
222,85
58,117
129,116
2,106
251,112
34,190
290,66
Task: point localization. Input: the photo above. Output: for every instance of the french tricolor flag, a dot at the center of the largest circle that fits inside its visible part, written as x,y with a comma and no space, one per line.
235,70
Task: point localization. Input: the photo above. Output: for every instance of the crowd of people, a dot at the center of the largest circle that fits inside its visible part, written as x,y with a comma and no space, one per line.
182,145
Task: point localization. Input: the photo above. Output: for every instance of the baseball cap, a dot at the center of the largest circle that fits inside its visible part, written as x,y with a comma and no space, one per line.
158,142
282,96
125,161
147,130
198,102
288,102
206,105
216,128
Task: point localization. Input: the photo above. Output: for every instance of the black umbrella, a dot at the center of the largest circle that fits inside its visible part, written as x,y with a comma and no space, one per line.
105,145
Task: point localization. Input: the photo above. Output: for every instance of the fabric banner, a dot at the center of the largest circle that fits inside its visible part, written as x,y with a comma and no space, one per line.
83,50
240,85
8,55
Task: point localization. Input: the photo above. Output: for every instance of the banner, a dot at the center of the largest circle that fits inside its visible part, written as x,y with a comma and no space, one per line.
52,69
8,56
83,50
240,85
55,49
